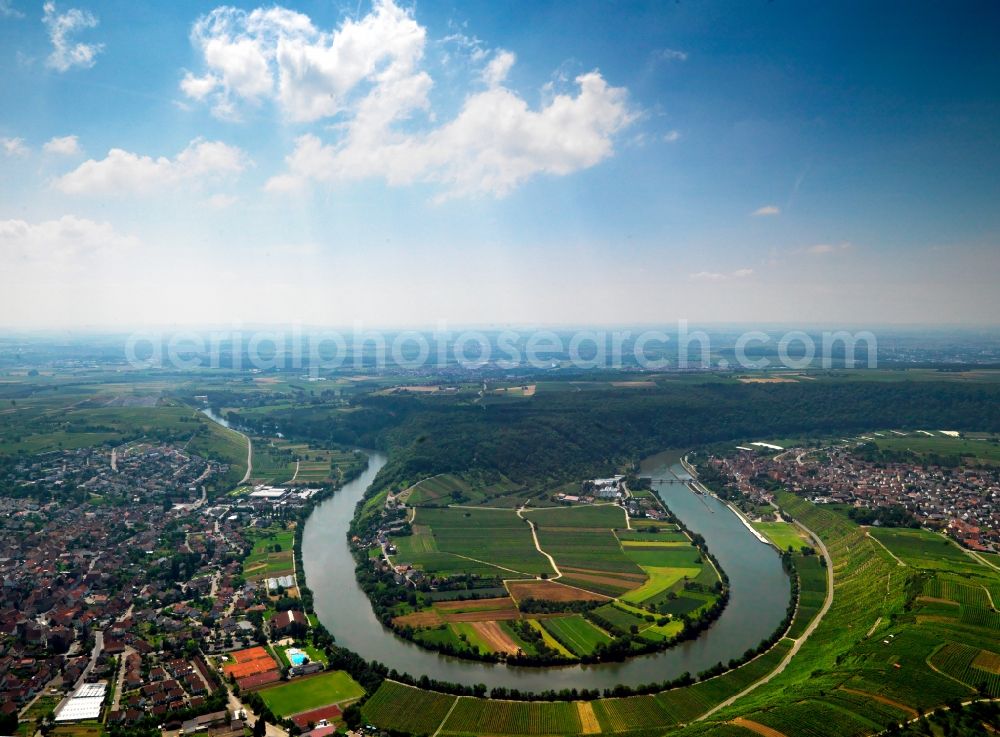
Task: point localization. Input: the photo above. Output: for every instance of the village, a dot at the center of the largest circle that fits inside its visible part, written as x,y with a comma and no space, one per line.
132,599
963,502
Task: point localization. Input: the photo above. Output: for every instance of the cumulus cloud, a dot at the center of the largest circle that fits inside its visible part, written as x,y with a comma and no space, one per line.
495,143
766,210
13,146
824,249
278,53
61,26
672,136
124,172
717,276
64,242
64,146
368,73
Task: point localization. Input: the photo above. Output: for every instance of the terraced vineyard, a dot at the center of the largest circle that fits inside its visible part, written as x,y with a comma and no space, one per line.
898,639
475,717
406,708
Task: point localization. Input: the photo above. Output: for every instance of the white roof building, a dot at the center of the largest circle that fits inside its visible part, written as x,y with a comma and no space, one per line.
85,703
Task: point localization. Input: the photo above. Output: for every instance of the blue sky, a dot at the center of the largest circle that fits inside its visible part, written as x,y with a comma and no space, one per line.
495,163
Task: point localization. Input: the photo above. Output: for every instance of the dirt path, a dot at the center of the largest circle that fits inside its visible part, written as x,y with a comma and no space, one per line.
873,628
538,547
296,474
883,700
757,727
976,556
446,716
872,537
485,563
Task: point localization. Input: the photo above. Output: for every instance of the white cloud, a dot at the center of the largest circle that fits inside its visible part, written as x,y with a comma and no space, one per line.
670,55
7,10
824,249
67,241
13,146
495,143
64,146
496,71
672,136
766,210
278,53
368,73
66,54
124,172
716,276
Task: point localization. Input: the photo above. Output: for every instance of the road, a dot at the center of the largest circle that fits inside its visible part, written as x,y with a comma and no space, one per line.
534,536
235,706
801,639
121,677
246,476
94,655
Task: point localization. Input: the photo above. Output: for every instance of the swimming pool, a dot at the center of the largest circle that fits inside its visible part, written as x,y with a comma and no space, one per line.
295,656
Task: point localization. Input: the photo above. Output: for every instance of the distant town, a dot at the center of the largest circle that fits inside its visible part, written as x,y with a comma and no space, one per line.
962,501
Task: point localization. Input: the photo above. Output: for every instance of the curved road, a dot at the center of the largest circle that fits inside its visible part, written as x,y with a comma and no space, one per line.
246,476
798,641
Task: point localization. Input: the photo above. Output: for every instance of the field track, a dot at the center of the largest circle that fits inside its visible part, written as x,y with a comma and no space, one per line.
551,591
760,729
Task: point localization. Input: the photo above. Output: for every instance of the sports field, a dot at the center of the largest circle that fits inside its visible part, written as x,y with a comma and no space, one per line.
311,692
784,535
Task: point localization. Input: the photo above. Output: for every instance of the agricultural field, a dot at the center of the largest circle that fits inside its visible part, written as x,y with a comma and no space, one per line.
407,709
280,462
445,489
496,540
576,634
311,692
474,716
479,717
598,558
79,729
43,705
982,449
923,549
272,464
271,555
897,639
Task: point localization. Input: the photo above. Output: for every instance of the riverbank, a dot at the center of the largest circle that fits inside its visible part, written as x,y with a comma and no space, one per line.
758,600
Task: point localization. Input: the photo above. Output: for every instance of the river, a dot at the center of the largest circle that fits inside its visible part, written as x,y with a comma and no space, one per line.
760,592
